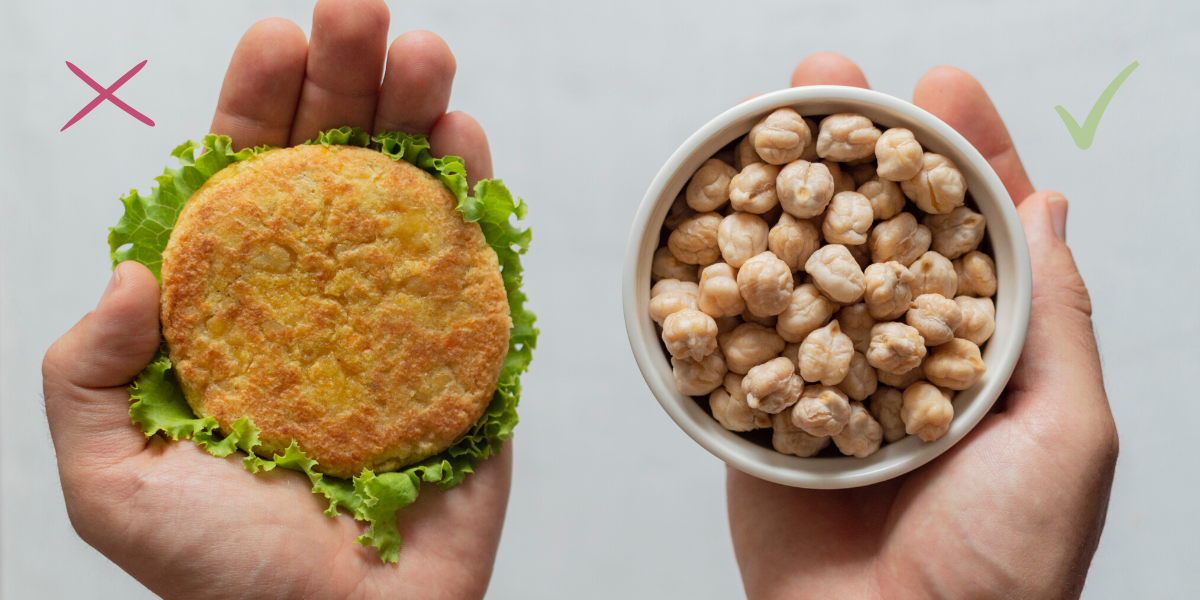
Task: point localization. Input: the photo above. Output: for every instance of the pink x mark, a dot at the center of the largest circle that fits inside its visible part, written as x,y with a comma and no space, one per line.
107,94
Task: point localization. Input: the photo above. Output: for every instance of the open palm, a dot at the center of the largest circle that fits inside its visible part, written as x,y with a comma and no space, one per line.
189,525
1015,509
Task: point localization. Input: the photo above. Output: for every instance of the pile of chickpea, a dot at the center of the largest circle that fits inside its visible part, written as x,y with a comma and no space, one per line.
802,278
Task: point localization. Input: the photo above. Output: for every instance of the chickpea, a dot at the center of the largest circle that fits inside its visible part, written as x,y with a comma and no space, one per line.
753,190
862,173
926,411
742,236
895,348
956,232
807,311
836,273
729,407
856,322
825,355
885,405
810,149
690,333
846,136
938,187
862,434
935,317
709,187
670,296
822,410
766,284
789,439
793,241
887,290
978,319
899,155
745,155
900,239
847,219
719,295
695,240
861,254
674,285
902,381
780,137
860,381
955,365
933,274
748,346
679,211
768,322
697,378
976,273
804,189
666,266
833,304
885,197
772,386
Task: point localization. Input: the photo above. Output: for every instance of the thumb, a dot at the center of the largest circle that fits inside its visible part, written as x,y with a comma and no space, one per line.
86,372
1059,371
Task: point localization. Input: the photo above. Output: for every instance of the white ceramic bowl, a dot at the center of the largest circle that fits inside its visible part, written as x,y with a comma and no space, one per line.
1000,353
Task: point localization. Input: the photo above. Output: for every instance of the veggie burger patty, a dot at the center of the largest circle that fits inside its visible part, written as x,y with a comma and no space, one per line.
336,298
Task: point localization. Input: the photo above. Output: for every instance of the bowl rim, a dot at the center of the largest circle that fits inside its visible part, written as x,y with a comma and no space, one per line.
765,463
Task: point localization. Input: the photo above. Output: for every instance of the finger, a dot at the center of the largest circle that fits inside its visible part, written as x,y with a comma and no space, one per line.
1059,370
86,372
261,88
345,64
955,97
827,68
457,134
416,85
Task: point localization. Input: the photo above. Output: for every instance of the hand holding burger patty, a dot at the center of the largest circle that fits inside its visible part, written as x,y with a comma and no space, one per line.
185,523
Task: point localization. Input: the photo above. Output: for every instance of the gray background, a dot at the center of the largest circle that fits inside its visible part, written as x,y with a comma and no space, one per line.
582,105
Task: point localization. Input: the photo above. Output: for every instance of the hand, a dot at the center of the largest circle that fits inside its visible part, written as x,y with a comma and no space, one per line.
1015,509
188,525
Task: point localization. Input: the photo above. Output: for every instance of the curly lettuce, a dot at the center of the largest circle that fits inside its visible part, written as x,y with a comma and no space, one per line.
157,402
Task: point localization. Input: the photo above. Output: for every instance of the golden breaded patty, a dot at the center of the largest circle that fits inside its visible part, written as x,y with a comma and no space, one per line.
336,298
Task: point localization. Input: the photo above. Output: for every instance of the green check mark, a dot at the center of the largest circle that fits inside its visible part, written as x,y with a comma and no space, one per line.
1083,135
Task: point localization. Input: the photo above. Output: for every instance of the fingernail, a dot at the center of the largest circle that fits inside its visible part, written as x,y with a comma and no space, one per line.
1058,216
113,282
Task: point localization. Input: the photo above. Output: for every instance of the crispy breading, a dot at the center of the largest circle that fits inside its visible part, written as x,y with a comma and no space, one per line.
336,298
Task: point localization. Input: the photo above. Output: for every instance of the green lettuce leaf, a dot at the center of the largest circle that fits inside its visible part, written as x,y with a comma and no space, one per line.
158,404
